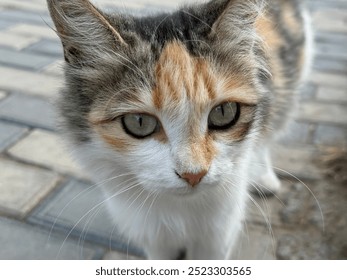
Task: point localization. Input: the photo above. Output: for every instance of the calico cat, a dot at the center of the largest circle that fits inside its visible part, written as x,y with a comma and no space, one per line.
174,113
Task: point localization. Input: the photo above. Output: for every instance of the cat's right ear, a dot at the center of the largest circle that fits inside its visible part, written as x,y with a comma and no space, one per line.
86,33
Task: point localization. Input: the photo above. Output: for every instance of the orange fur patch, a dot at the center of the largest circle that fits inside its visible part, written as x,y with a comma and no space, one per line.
118,143
177,72
202,152
180,75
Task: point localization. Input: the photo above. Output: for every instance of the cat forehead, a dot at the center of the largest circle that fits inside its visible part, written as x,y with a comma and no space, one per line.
181,77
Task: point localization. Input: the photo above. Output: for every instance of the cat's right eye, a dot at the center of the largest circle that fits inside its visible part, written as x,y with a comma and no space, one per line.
224,116
139,125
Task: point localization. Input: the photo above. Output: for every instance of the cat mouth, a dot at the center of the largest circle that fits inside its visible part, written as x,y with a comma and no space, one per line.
185,190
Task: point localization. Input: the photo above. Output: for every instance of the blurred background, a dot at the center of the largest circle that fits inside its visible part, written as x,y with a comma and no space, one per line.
49,209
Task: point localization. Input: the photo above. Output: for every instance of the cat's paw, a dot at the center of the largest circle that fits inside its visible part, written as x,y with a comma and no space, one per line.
267,184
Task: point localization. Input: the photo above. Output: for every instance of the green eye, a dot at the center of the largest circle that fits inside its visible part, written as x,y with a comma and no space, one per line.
224,116
139,125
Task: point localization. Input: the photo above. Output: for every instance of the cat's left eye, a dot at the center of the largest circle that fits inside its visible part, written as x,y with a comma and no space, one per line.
139,125
224,116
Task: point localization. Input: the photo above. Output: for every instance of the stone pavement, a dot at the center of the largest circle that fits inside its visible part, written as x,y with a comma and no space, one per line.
48,207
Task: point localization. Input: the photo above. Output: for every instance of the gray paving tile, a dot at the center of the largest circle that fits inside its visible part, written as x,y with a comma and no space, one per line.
9,134
24,242
3,94
45,148
15,41
47,47
331,38
295,161
332,95
78,209
298,133
328,79
30,83
331,136
308,92
323,113
24,60
19,16
249,247
23,186
5,24
33,30
331,65
28,110
329,50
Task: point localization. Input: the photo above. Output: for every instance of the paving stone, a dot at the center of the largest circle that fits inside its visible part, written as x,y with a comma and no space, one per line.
5,24
24,16
290,247
332,20
28,110
308,92
16,41
2,95
339,39
24,242
326,113
331,65
24,60
323,4
248,246
29,82
298,133
36,6
78,209
33,30
331,94
56,68
23,186
329,50
291,162
300,206
328,79
9,134
47,47
331,136
46,149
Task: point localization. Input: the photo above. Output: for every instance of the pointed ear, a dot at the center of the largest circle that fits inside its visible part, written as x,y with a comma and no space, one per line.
84,30
234,15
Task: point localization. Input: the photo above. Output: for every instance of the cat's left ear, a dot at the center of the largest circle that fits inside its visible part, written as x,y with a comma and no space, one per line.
225,17
84,30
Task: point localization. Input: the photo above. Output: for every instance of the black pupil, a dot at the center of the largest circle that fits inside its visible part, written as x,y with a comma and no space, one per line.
222,108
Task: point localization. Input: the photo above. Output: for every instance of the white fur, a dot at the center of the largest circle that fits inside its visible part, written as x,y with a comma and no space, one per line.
160,212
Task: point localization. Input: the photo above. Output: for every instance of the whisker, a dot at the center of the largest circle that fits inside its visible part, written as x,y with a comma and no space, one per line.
92,209
267,223
85,191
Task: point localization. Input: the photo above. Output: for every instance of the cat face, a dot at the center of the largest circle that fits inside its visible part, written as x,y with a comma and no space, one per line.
191,122
175,108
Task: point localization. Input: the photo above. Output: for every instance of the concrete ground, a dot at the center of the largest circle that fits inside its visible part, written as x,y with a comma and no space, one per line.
46,205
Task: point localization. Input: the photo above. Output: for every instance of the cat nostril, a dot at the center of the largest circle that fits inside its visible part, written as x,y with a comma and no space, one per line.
193,178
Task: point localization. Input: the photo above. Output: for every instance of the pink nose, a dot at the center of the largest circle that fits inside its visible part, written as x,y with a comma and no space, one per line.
193,178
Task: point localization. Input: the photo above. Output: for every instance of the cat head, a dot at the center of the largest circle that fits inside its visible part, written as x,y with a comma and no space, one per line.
175,99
